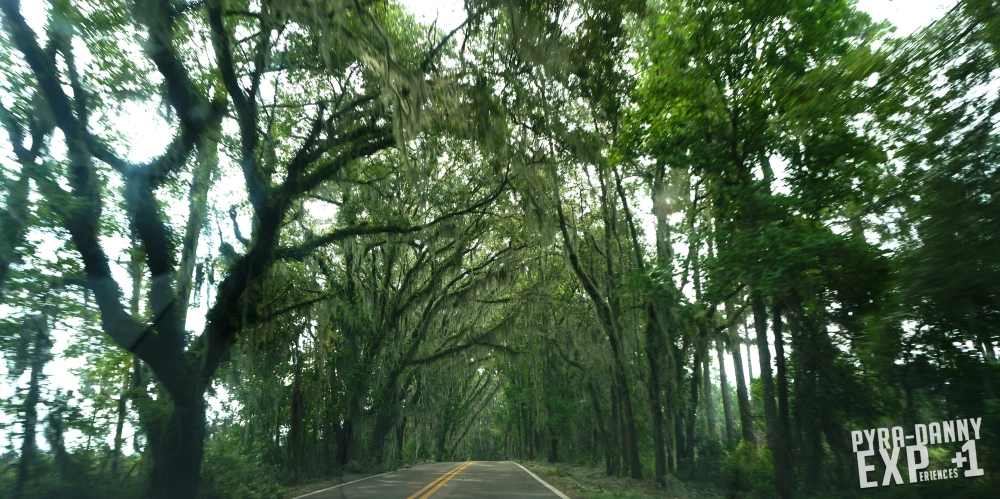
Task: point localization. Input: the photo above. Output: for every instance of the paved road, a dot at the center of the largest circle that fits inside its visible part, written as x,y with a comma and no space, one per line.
468,480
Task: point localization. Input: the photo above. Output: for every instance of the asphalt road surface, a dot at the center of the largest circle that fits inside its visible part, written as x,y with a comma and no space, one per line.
468,480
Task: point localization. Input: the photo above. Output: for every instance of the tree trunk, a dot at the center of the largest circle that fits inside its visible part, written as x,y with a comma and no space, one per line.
616,434
727,403
743,398
679,445
119,425
138,388
631,441
131,374
177,450
653,353
693,414
344,444
29,424
775,443
400,434
56,437
782,381
669,436
606,438
295,422
607,314
709,399
553,447
439,441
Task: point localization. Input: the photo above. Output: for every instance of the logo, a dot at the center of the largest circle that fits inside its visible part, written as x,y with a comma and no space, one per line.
893,445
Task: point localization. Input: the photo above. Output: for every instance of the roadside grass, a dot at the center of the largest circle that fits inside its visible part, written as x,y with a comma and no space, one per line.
582,482
305,488
299,489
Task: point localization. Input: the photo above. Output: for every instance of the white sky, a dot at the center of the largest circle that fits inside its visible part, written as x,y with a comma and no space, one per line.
907,15
150,138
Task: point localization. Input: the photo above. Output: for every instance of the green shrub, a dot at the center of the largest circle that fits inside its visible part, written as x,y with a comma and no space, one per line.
750,469
229,475
712,463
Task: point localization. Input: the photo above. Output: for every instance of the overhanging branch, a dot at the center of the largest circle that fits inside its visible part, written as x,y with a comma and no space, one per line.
302,250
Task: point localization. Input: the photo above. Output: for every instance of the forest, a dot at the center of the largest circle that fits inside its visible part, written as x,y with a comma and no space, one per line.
246,244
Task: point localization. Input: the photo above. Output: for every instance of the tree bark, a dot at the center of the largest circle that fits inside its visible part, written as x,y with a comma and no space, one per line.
727,403
29,447
692,417
782,378
606,438
295,422
178,449
775,442
613,449
709,399
553,448
13,220
609,322
119,425
653,353
743,398
344,444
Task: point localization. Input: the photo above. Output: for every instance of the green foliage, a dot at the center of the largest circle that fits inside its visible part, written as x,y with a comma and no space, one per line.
750,470
229,475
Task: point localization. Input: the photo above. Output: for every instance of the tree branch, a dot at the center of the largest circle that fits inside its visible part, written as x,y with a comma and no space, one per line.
304,249
258,185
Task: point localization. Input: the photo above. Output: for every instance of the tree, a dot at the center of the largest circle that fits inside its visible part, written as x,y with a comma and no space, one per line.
356,117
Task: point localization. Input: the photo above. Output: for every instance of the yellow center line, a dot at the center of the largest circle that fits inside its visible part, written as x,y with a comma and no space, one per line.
447,478
439,482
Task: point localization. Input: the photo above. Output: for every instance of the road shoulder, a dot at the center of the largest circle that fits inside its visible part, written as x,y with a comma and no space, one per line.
543,482
581,482
304,490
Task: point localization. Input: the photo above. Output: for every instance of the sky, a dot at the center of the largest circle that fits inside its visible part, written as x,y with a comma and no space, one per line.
149,139
906,15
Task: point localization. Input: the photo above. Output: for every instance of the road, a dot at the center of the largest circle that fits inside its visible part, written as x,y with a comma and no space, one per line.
468,480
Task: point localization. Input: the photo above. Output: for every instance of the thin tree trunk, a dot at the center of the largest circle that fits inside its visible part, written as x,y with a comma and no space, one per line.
609,322
138,388
656,333
727,403
709,399
775,442
743,398
609,469
653,353
29,424
119,425
616,433
295,422
782,381
693,413
132,374
529,433
669,436
55,435
680,445
400,434
201,181
553,447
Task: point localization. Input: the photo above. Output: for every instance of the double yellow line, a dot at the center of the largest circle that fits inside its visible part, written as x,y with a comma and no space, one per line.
437,484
